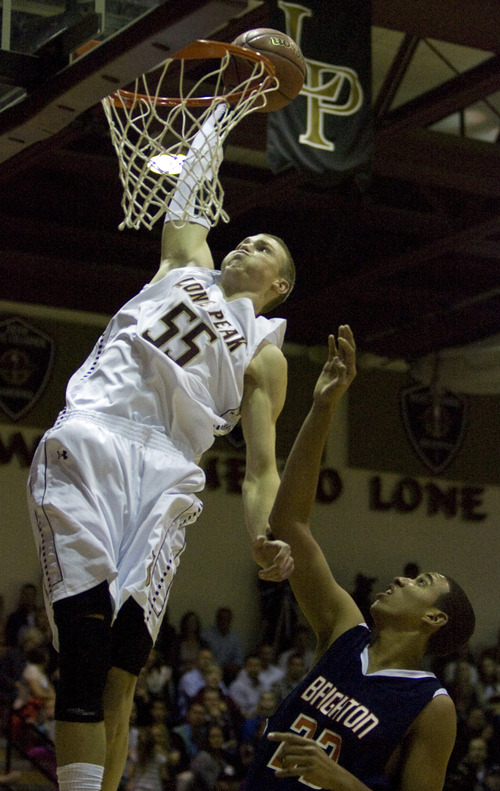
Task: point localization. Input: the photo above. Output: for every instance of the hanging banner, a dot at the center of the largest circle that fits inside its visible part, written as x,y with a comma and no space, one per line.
328,127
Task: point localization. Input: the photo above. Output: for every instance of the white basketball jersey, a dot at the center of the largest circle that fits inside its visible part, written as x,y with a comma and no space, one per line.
174,358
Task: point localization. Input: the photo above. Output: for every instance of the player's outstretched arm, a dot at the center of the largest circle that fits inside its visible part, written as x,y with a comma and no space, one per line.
329,609
184,236
184,246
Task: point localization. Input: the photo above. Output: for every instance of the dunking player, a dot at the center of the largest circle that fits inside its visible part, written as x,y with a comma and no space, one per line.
365,717
113,483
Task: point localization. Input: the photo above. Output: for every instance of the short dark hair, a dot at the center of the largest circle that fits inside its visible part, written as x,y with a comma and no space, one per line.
460,625
287,271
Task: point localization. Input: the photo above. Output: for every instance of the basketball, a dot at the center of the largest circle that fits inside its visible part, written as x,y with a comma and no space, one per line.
283,53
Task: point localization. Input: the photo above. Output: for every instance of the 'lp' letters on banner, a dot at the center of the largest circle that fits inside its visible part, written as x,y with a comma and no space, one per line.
328,128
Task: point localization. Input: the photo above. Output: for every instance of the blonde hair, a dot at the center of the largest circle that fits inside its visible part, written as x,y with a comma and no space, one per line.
287,272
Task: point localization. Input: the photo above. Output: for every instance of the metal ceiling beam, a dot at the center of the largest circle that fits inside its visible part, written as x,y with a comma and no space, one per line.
448,98
395,75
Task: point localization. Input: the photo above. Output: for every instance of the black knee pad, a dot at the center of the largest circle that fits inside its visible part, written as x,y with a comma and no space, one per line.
131,642
84,625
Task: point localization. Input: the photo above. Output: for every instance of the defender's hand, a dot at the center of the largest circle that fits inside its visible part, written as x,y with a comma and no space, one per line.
340,368
302,757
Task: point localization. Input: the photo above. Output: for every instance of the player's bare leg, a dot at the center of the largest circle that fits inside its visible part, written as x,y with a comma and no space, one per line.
79,744
118,701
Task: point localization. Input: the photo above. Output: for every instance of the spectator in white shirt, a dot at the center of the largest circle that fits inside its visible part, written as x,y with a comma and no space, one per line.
247,688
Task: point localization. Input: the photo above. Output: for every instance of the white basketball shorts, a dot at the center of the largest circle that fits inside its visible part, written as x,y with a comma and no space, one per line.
109,500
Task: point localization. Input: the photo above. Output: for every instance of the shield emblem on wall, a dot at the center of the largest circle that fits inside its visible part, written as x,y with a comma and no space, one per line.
26,358
435,422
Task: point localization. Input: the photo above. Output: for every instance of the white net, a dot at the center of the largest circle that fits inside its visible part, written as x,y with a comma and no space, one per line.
152,135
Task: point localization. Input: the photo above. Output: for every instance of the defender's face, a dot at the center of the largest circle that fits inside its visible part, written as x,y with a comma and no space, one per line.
253,265
411,596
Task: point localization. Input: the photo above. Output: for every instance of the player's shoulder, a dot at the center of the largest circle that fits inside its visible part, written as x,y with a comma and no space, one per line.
268,370
269,351
438,714
269,359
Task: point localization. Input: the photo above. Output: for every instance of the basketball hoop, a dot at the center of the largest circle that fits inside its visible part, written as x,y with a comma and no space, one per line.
146,126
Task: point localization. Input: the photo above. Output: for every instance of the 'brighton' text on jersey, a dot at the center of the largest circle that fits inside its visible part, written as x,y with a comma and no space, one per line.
333,703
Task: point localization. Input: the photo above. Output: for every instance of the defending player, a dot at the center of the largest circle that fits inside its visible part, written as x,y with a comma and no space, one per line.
366,716
112,486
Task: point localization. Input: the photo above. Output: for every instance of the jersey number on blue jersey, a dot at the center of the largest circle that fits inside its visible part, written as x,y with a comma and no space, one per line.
307,726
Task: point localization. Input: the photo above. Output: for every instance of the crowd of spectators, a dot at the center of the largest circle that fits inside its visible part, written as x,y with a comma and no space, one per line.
201,703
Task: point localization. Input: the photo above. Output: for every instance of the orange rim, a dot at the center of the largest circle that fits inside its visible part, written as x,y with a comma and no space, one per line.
198,50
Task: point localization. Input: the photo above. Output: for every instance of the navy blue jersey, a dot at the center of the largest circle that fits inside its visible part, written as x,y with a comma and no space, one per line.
359,718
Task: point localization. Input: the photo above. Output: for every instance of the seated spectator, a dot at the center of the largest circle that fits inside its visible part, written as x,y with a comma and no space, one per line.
46,721
464,654
133,740
491,780
463,690
43,627
245,756
13,663
22,617
246,689
211,769
219,713
165,746
160,713
155,682
488,669
149,772
167,641
494,650
226,645
158,675
193,680
471,770
212,677
294,674
301,645
41,751
215,685
35,689
189,736
253,728
475,726
270,671
189,642
494,714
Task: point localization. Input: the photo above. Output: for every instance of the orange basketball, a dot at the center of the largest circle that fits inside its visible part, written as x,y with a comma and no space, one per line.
284,54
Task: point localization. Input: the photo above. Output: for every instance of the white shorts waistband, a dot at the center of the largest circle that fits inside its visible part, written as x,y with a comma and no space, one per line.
136,432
